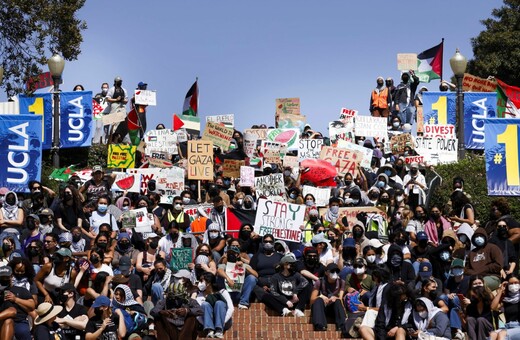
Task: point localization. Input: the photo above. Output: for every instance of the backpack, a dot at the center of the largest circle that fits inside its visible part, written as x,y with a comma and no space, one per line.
134,323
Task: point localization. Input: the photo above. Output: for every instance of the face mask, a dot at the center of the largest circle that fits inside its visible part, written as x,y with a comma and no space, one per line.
348,183
292,196
202,286
178,207
400,242
31,225
309,203
98,312
10,201
154,244
423,314
371,258
287,173
395,124
174,234
33,252
63,298
396,260
514,288
400,198
125,208
380,184
478,285
68,196
6,247
423,243
94,259
193,187
357,233
502,232
432,295
102,208
76,238
359,271
19,276
268,247
334,209
213,235
380,83
333,276
248,205
313,218
311,261
413,171
384,200
354,201
104,91
445,255
240,201
232,258
219,209
245,234
186,200
419,215
124,245
388,173
457,272
479,241
102,245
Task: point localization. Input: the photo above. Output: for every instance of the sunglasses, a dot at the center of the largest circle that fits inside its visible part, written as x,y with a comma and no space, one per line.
48,241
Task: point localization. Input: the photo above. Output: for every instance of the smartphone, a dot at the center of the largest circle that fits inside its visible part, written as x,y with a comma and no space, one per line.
461,296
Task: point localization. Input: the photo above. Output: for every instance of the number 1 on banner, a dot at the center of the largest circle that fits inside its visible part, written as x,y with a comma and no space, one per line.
441,106
37,109
510,138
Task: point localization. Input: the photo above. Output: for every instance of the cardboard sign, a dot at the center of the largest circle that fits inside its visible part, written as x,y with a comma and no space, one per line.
367,153
309,148
247,176
420,119
115,117
126,182
227,120
339,130
218,134
192,210
322,195
259,133
437,150
270,185
414,159
288,106
344,160
161,141
347,114
237,273
170,183
441,131
398,142
271,152
180,258
121,156
290,121
289,137
232,167
291,162
145,97
160,160
471,83
281,219
250,144
200,160
371,126
352,212
407,61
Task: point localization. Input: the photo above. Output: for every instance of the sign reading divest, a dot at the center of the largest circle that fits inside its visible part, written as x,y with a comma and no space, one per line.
75,119
39,104
121,156
288,105
439,108
161,141
309,148
270,185
477,107
345,161
200,160
281,219
441,131
218,134
20,151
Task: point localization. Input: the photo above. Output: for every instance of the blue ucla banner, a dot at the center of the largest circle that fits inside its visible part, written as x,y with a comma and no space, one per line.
502,148
75,119
20,151
477,107
39,104
439,108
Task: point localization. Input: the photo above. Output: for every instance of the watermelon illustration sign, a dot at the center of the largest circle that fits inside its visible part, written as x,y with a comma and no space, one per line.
121,156
281,219
289,137
127,182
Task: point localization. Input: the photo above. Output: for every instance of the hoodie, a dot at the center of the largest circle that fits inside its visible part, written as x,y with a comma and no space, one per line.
436,323
486,260
404,272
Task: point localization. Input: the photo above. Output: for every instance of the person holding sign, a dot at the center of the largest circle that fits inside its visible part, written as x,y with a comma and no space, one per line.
405,93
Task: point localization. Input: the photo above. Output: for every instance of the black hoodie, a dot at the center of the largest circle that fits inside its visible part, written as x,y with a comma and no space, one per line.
404,272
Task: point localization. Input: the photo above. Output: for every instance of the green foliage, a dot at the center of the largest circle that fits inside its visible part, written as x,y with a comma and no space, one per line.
473,170
496,50
31,28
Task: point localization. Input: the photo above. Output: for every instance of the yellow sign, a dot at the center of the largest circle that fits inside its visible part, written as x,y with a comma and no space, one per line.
121,156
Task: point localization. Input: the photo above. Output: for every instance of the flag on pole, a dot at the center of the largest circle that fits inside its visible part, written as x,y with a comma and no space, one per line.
508,102
177,123
96,109
191,102
429,64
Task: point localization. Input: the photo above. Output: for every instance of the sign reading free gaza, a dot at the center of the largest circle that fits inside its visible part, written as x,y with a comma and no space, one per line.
281,219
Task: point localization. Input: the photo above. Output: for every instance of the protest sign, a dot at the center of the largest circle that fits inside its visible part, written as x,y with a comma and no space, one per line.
126,182
406,61
192,210
309,148
159,160
413,159
41,81
128,219
170,183
398,142
247,176
271,152
164,140
502,157
420,119
437,150
351,213
344,160
322,195
232,167
250,143
237,273
218,134
39,104
121,156
259,133
367,152
339,130
290,121
477,107
227,120
200,160
76,119
291,162
441,131
117,116
371,126
20,151
146,175
347,114
289,137
471,83
439,107
180,258
270,185
145,97
143,221
281,219
288,106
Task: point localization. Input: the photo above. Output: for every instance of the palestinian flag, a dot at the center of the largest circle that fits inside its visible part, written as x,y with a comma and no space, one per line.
96,109
507,107
429,64
177,123
62,174
236,217
191,102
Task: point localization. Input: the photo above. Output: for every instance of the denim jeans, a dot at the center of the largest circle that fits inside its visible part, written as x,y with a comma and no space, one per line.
22,330
406,113
157,292
454,307
249,283
214,317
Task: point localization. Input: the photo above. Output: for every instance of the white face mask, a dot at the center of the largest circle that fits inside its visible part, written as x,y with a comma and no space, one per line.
240,201
213,235
514,288
186,200
423,314
202,286
334,276
359,271
371,258
178,207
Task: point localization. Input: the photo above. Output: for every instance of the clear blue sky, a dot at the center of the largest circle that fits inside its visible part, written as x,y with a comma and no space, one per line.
247,53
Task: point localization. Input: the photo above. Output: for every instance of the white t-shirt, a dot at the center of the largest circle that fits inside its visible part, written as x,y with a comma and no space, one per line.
97,219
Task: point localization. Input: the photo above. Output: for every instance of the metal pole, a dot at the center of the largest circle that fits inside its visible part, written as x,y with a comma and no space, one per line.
56,125
460,116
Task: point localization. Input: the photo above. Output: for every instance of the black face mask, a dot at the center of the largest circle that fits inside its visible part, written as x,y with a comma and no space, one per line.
245,234
423,243
68,197
102,245
10,201
313,218
94,259
174,234
357,233
63,298
6,247
154,244
124,245
31,225
248,205
219,209
98,312
400,241
57,260
502,233
161,273
19,276
33,252
432,295
311,261
232,258
76,238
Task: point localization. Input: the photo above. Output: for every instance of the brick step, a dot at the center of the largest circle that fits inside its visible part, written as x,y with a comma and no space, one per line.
268,334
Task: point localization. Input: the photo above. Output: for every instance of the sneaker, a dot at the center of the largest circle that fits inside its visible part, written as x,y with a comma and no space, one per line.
211,334
286,312
459,334
298,313
244,307
219,335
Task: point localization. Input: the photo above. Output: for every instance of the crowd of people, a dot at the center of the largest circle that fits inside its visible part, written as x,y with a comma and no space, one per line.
69,268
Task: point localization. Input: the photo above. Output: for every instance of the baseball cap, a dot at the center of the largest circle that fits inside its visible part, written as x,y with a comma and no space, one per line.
65,237
97,168
36,217
314,212
375,243
151,235
101,301
142,84
124,265
183,273
289,258
425,270
332,266
46,212
349,242
457,263
118,78
5,271
422,236
414,165
65,252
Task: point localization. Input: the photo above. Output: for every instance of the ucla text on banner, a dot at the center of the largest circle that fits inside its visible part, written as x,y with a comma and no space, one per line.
75,119
477,107
281,219
439,108
502,156
39,104
20,151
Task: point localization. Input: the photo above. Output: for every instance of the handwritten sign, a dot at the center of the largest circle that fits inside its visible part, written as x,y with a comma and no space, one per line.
145,97
115,117
281,219
406,61
371,126
471,83
367,152
441,131
192,210
247,176
250,144
128,219
121,156
437,150
344,160
126,182
340,130
170,183
270,185
232,167
346,114
180,258
164,140
291,162
259,133
271,151
218,134
288,137
288,105
352,212
200,160
398,142
420,119
322,195
227,120
146,175
143,221
309,148
414,159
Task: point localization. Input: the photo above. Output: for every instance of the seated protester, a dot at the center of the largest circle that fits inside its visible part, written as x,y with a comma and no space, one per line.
430,290
73,317
311,225
8,249
54,275
12,217
326,299
98,263
415,186
105,323
358,233
16,304
177,213
456,285
217,307
144,202
23,275
123,247
281,247
477,304
216,241
175,315
65,240
100,287
311,268
464,234
35,255
125,299
160,279
249,203
79,246
100,216
50,246
425,274
69,212
359,281
33,232
501,239
400,270
295,196
416,224
430,321
485,259
462,209
45,327
336,242
369,254
332,218
200,224
323,247
203,261
349,254
170,241
436,225
442,255
507,299
128,277
287,294
264,263
249,240
400,238
106,229
145,260
421,251
371,307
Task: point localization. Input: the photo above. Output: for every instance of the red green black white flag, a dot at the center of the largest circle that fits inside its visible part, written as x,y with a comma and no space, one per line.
429,64
191,102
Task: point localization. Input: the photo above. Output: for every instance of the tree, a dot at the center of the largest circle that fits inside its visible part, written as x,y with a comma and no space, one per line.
496,50
31,28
